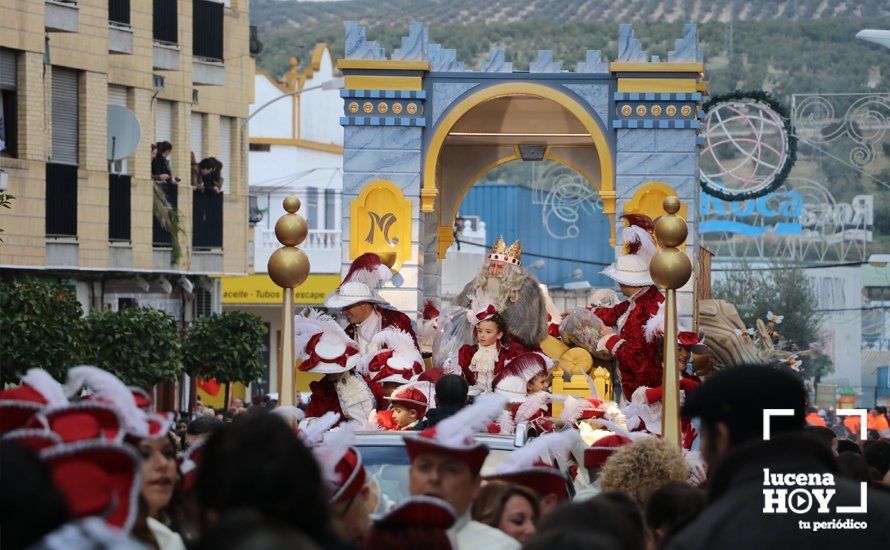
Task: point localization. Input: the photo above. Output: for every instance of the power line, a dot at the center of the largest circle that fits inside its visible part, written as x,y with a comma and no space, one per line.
543,256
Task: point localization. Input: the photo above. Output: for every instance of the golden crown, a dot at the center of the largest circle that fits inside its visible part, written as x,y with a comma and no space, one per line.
511,255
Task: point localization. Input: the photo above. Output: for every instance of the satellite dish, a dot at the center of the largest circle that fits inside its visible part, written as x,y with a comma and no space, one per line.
124,132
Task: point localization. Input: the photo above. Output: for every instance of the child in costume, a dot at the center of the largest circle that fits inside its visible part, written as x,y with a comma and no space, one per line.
481,362
408,405
513,383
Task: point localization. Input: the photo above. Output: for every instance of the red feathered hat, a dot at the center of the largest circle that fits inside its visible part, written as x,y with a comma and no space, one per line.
142,398
419,511
34,439
341,464
595,455
542,478
527,466
398,361
38,390
97,478
454,436
81,421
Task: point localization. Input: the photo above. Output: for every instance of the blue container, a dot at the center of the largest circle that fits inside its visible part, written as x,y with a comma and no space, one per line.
510,210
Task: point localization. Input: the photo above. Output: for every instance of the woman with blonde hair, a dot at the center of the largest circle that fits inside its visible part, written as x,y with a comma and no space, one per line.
642,467
511,508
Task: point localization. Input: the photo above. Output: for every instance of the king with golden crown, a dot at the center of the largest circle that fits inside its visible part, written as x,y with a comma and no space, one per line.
506,284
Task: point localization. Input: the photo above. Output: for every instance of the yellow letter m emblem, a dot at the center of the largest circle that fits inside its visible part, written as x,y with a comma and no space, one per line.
380,221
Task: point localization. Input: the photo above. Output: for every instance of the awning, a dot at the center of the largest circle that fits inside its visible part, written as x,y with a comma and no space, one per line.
259,289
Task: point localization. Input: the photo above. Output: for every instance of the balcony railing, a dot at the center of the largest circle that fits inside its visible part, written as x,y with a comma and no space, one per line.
322,246
118,207
207,220
165,27
322,239
61,200
119,11
160,236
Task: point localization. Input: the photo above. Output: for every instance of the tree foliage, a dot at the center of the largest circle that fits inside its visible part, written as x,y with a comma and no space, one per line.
783,290
227,347
41,326
139,345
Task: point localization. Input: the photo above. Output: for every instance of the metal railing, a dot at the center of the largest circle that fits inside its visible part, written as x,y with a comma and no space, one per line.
119,11
61,200
207,29
207,220
118,207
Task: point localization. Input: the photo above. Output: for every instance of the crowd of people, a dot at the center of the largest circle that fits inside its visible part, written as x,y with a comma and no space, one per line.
591,472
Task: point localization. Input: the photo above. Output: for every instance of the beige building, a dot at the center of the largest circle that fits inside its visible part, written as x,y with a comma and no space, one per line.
185,70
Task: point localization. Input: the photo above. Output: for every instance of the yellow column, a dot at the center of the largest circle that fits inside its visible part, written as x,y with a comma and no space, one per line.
670,269
288,268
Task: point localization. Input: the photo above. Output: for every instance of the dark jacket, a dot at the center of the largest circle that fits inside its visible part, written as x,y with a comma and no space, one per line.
160,166
734,517
434,416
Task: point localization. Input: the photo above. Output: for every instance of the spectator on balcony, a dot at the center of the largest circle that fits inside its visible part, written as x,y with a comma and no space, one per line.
160,165
210,175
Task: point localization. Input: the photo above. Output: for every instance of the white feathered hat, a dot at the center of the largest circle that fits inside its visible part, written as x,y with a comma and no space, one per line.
532,466
323,345
632,267
395,360
359,285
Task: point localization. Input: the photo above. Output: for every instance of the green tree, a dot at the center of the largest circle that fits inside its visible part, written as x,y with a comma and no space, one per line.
141,346
41,326
227,347
783,290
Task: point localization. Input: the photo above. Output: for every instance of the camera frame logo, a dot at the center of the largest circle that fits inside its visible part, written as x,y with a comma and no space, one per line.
802,493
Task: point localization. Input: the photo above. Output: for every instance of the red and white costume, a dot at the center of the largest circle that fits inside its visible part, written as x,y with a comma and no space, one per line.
512,383
326,349
481,364
645,408
341,464
638,360
359,285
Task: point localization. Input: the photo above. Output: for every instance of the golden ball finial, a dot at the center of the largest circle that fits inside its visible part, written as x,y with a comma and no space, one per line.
670,268
291,204
288,267
291,229
292,62
671,230
671,204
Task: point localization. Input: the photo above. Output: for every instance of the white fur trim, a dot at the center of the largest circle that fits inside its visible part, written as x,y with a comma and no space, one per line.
313,434
46,385
533,403
548,448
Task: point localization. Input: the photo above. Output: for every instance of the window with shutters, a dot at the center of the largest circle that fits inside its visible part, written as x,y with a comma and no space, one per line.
203,302
312,207
225,151
117,95
207,29
330,208
65,107
164,121
8,103
164,25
